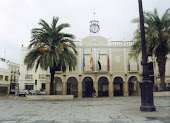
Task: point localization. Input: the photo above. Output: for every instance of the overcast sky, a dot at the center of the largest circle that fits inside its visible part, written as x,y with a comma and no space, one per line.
18,17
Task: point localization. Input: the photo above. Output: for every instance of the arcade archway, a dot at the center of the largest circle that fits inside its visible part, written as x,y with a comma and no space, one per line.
87,84
103,87
57,86
133,86
118,86
72,86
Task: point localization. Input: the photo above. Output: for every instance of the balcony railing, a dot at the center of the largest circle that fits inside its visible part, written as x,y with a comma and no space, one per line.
13,80
28,76
87,69
122,43
42,76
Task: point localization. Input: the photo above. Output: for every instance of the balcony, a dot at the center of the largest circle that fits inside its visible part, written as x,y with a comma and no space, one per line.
133,68
87,69
28,76
122,43
42,76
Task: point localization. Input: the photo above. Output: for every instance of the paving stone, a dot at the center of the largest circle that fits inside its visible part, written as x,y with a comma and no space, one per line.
44,121
111,110
9,122
26,121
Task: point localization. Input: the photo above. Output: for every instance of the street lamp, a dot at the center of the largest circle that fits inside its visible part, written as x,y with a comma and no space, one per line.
146,85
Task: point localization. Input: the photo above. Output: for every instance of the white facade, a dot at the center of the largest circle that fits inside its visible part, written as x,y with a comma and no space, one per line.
28,77
4,77
14,75
9,76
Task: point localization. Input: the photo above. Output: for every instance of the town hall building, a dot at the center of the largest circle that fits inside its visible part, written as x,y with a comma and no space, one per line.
101,63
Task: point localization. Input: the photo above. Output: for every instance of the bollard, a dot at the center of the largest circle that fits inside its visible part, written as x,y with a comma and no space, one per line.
7,96
21,96
12,97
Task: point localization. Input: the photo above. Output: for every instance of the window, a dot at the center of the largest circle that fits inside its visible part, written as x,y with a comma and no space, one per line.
117,59
42,76
6,78
1,77
14,79
43,86
11,69
28,76
133,66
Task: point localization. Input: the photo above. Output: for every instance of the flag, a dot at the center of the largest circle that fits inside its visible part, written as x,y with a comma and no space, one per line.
99,63
83,60
91,60
108,63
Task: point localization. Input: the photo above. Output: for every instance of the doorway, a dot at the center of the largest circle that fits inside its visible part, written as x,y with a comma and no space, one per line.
87,86
72,86
133,86
103,88
118,86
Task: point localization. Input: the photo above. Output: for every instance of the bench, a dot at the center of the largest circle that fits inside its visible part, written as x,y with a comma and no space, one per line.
162,93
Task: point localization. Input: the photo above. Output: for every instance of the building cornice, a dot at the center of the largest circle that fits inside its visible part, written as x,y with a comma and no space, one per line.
103,46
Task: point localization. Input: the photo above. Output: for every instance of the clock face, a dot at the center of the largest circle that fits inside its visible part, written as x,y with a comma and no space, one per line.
94,28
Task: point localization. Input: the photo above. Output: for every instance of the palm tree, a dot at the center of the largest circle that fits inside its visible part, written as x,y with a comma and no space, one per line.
51,49
157,32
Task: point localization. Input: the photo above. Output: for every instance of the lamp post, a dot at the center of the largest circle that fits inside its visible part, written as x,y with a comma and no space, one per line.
146,85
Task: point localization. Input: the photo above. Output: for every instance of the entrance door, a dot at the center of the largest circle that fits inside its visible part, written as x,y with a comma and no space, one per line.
118,86
3,90
68,88
88,87
133,86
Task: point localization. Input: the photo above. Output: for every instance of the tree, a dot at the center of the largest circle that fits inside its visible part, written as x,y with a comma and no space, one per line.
51,49
157,32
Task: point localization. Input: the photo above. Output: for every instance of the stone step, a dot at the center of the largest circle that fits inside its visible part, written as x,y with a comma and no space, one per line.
49,97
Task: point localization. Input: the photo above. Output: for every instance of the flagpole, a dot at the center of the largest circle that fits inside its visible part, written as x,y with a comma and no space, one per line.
83,60
91,61
108,63
99,62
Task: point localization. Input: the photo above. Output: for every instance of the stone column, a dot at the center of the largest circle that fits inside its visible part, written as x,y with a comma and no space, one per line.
8,89
113,87
110,89
64,88
47,89
95,85
54,87
80,90
125,89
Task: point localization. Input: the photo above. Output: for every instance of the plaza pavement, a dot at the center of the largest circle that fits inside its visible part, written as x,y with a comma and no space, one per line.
87,110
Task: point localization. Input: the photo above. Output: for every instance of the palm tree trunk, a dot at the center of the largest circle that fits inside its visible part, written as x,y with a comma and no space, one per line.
52,72
161,60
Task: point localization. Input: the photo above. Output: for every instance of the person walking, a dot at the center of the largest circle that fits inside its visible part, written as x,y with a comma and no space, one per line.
93,91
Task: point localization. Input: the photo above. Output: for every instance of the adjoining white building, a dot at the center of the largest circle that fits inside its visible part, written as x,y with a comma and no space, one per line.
28,78
9,76
14,76
4,77
119,75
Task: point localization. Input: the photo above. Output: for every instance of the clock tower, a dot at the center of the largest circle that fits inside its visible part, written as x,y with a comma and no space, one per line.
94,26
